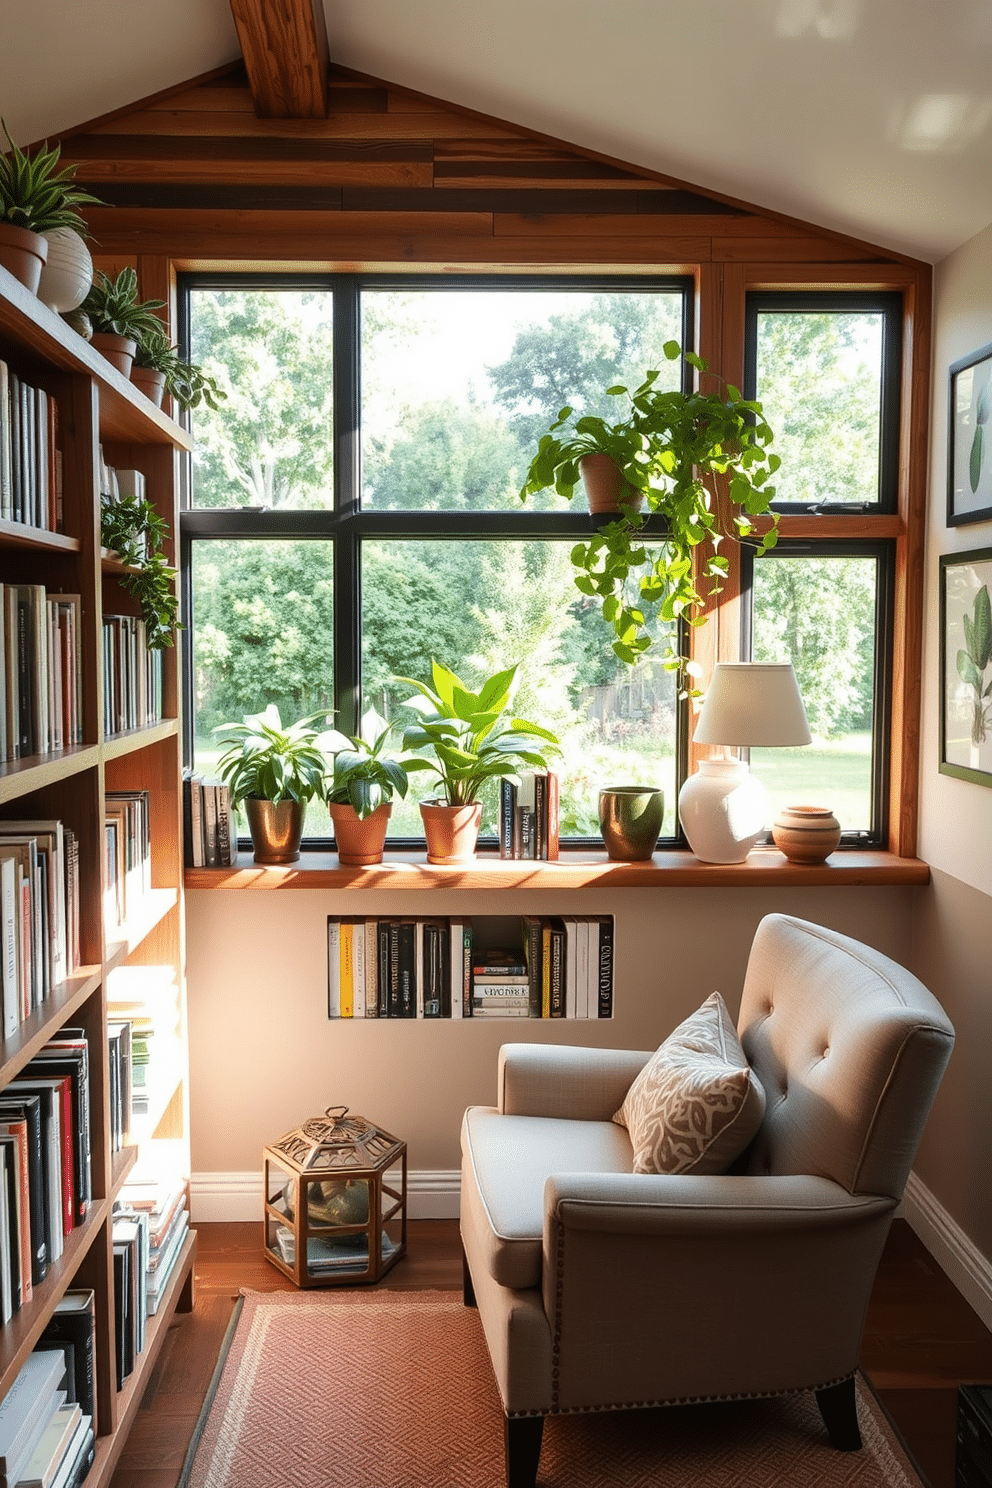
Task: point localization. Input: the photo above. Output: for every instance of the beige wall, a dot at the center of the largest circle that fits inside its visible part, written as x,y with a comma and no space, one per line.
951,945
265,1056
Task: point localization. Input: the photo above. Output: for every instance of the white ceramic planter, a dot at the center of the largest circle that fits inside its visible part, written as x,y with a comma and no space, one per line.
68,271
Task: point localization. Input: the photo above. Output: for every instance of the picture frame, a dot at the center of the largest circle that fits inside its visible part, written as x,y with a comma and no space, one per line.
969,439
966,666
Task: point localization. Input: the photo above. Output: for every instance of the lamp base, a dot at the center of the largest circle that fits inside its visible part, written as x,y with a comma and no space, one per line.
722,809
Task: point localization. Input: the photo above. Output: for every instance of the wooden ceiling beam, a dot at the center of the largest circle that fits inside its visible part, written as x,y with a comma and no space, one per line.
284,46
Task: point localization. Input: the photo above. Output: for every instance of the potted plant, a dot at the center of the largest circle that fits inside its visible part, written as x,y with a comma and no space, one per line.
700,460
132,528
119,319
274,770
360,793
158,368
39,203
473,739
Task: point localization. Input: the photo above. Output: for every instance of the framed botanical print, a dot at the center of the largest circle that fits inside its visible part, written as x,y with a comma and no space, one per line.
966,666
969,440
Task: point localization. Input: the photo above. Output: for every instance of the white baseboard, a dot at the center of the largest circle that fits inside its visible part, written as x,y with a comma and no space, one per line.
218,1198
958,1257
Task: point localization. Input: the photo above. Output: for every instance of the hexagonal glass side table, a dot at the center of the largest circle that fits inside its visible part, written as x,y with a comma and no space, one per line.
335,1201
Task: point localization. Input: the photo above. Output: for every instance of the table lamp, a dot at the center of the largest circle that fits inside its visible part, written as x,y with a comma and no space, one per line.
723,807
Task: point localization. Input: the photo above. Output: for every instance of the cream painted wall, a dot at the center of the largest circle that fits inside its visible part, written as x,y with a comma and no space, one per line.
265,1056
950,950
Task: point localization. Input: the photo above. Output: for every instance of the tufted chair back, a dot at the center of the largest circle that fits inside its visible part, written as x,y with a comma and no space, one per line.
850,1048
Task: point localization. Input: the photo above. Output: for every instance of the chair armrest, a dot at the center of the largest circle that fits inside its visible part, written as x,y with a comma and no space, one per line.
558,1080
694,1287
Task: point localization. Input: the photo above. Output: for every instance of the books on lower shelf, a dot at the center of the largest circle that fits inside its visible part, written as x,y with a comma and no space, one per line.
46,1437
127,854
41,645
39,914
528,816
132,675
558,966
210,832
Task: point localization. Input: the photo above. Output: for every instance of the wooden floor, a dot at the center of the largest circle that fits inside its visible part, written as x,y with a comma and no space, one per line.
921,1341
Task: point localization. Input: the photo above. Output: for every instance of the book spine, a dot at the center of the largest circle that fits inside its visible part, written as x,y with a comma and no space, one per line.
385,961
407,969
541,815
605,983
394,1003
533,955
333,968
554,809
557,973
507,810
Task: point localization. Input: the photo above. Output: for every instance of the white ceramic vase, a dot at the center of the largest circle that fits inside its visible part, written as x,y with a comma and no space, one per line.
68,271
722,809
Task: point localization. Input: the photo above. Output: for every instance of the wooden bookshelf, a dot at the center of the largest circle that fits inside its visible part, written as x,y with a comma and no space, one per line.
96,406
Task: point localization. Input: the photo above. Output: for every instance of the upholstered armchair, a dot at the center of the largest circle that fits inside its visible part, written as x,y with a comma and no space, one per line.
602,1287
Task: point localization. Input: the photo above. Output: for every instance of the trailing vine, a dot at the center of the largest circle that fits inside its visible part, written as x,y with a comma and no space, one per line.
133,529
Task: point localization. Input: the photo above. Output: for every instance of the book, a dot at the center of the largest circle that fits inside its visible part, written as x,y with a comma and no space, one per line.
507,817
17,1108
533,931
436,969
333,967
51,1448
26,1409
50,1107
15,1132
73,1322
347,943
556,967
70,1057
604,965
16,1238
10,999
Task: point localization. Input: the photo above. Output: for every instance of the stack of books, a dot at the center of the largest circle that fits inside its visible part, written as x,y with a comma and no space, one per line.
160,1203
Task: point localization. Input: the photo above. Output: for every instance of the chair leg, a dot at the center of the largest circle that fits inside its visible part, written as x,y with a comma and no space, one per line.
468,1290
839,1410
522,1444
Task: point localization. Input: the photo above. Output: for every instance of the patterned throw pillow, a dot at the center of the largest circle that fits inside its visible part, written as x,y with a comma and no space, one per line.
697,1103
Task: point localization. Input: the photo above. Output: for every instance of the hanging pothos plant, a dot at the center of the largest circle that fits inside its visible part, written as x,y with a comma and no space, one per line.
133,529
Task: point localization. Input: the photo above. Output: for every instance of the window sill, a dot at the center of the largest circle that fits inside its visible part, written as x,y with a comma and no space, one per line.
676,870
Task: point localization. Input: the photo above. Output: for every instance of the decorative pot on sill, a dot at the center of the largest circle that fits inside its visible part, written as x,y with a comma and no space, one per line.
276,829
630,818
150,382
68,272
605,486
118,350
359,841
452,832
23,254
806,834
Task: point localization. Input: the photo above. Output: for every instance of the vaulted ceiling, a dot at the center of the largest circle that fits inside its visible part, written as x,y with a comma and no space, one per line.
873,117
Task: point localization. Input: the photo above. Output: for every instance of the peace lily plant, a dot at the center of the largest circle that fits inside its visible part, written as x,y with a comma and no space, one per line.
701,461
274,770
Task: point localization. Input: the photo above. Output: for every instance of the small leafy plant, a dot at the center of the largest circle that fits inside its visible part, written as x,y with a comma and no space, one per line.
36,196
187,382
972,661
132,528
471,734
701,461
270,762
363,776
115,310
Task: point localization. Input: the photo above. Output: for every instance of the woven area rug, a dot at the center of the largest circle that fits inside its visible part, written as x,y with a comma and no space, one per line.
394,1390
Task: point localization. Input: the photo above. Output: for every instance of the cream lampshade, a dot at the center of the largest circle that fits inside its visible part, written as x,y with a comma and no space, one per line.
722,807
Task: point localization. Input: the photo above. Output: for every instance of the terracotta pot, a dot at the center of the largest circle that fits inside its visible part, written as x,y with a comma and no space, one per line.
605,486
118,350
630,818
276,829
68,273
150,382
452,832
359,842
23,254
806,834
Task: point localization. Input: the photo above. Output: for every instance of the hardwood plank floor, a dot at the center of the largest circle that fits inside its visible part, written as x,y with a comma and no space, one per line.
921,1341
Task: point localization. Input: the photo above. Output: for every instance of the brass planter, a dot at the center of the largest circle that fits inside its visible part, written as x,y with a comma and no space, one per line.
630,817
276,829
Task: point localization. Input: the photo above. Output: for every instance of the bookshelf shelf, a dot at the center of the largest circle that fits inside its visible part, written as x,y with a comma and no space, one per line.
72,786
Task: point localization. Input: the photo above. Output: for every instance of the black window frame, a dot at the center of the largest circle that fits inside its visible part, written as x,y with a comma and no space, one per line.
346,524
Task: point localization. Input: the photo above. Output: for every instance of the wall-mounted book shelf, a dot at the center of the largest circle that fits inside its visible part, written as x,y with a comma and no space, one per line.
90,868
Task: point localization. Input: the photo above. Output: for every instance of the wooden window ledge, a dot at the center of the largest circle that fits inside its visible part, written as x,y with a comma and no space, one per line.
580,870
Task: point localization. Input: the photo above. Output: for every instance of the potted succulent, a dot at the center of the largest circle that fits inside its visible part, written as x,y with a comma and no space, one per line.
158,368
119,319
360,792
701,460
274,770
39,204
473,739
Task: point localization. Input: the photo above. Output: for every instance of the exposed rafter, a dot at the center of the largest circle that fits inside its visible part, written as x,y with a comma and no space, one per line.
284,45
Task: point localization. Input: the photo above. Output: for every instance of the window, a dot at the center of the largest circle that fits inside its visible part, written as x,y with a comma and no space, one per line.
354,510
826,368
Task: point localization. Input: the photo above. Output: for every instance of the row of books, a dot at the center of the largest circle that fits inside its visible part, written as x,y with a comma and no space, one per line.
47,1418
152,1220
45,1169
436,967
210,832
39,914
528,816
127,854
30,457
41,705
146,998
119,1066
132,675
